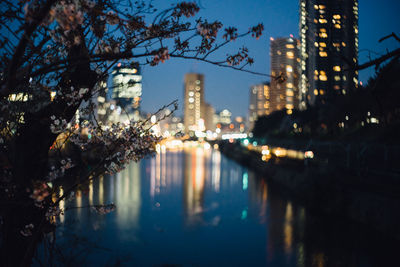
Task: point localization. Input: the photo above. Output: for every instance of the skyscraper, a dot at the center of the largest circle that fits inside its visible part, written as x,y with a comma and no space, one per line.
285,62
259,102
193,118
329,47
127,87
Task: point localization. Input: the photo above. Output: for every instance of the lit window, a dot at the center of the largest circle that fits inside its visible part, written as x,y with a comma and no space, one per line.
289,93
336,68
323,35
323,54
322,30
289,68
322,72
289,46
289,106
315,92
289,85
322,44
316,72
315,6
321,7
321,92
343,44
323,77
316,44
337,26
336,16
289,54
336,45
322,21
337,78
279,52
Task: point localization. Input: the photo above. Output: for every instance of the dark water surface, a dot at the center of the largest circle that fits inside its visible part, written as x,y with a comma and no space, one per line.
195,207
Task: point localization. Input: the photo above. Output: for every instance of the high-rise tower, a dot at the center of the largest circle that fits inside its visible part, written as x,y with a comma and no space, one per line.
259,102
329,47
127,87
285,62
193,102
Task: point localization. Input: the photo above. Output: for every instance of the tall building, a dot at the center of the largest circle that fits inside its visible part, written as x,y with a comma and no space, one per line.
209,113
259,102
193,117
127,87
285,63
329,46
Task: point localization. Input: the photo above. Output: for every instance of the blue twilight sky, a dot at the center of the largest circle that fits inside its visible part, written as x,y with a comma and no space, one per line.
227,88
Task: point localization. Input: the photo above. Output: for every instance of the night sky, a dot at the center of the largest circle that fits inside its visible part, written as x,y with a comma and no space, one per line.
227,88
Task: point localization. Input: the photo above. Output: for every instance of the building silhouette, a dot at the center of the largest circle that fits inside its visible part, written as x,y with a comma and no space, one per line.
329,47
285,64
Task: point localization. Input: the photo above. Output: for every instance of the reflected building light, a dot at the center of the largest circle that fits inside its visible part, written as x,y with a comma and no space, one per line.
199,178
78,196
101,190
169,166
158,174
216,170
263,209
244,214
300,255
193,193
91,192
288,228
152,177
163,169
245,181
176,169
111,187
125,177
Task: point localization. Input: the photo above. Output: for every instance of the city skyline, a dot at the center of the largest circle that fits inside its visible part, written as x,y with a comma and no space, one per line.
228,88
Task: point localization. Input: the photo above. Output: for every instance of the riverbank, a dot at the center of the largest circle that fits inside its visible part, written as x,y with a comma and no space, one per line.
369,198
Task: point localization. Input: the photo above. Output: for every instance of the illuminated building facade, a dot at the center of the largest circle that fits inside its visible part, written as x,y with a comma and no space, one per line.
259,102
193,117
127,87
329,46
285,62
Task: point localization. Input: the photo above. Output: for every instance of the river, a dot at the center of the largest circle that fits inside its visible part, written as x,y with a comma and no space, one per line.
195,207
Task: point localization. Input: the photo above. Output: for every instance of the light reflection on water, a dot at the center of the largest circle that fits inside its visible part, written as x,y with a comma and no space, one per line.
194,207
